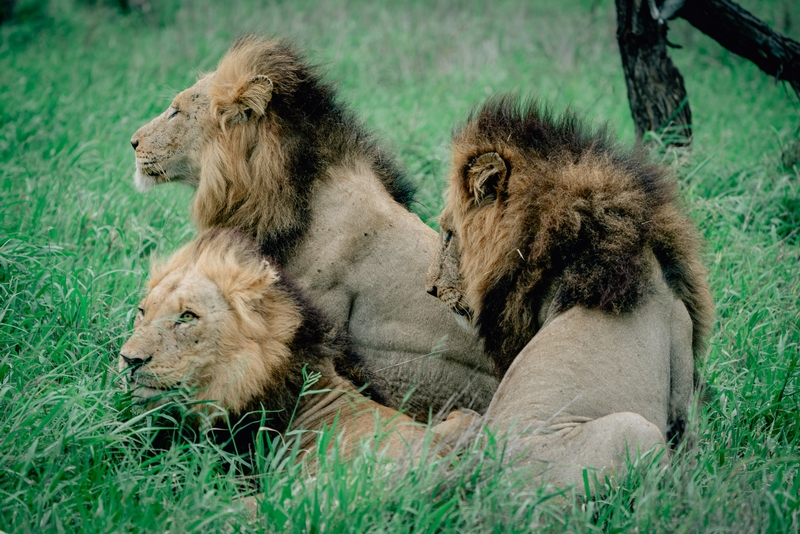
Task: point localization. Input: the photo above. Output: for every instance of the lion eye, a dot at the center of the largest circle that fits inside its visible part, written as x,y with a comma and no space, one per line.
172,115
187,317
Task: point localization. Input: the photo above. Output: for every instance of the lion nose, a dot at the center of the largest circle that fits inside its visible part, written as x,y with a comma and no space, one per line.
134,143
134,361
433,290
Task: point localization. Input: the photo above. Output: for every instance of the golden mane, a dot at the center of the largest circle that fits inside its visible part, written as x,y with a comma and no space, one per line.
276,128
231,260
256,345
243,168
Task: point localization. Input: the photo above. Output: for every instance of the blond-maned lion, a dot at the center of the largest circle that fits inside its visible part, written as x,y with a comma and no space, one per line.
582,276
273,153
225,325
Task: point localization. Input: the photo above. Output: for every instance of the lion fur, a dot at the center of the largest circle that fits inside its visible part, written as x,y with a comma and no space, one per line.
258,291
579,216
298,131
275,154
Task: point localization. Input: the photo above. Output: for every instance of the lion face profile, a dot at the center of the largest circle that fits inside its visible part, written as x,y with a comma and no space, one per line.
583,279
250,135
160,158
443,279
275,155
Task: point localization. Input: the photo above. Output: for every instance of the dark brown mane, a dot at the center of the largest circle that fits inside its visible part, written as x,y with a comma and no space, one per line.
582,213
311,113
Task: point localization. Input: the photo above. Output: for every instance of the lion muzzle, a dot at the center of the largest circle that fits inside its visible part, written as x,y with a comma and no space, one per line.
132,363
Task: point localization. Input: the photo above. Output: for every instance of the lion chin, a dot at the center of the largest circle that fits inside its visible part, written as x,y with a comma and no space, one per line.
145,393
143,182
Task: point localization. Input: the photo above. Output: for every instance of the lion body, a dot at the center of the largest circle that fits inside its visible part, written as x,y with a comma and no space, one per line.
273,154
582,278
225,327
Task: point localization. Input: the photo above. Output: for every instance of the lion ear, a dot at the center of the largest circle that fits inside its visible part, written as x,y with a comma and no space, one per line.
262,278
486,176
269,274
249,290
247,100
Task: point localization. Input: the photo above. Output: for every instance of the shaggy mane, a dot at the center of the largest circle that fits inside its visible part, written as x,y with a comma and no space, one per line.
257,174
581,212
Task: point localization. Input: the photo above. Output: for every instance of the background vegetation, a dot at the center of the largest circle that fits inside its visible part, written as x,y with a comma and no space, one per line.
78,78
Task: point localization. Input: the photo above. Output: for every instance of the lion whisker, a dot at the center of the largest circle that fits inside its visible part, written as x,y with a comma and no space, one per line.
411,360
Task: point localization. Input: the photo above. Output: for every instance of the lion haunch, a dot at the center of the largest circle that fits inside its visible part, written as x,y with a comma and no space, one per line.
223,324
582,276
273,153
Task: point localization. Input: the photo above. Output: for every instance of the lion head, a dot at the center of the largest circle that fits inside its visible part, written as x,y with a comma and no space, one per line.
218,321
222,136
253,136
543,212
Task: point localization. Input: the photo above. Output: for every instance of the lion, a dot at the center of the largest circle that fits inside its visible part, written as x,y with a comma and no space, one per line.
274,154
573,261
224,324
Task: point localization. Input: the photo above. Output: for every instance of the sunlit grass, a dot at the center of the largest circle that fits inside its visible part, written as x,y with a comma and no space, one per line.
76,240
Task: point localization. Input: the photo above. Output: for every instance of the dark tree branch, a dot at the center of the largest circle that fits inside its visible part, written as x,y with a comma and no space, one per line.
656,92
6,10
745,35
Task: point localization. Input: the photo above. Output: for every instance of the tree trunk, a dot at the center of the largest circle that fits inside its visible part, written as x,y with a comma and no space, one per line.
745,35
656,92
6,10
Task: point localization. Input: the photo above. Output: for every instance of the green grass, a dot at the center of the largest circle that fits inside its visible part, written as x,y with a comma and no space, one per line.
75,243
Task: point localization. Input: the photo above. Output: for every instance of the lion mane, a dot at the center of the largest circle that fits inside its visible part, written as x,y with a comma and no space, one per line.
579,216
275,161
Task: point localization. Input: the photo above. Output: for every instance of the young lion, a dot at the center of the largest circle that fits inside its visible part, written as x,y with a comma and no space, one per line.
222,322
274,154
582,277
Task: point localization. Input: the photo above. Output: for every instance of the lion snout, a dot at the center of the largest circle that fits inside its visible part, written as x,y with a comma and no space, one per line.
130,361
134,361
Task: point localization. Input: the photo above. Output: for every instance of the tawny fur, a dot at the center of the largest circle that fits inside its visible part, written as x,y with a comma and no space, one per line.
274,154
279,127
571,217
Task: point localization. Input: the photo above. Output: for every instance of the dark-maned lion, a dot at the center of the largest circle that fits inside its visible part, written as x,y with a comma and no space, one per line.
582,277
273,153
223,324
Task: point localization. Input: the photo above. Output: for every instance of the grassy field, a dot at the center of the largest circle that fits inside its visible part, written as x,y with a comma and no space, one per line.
75,241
